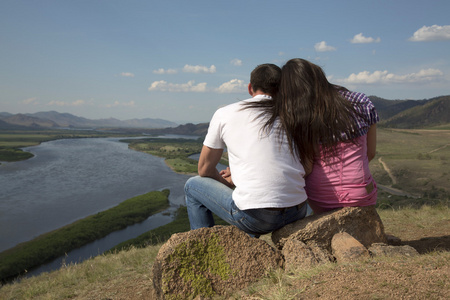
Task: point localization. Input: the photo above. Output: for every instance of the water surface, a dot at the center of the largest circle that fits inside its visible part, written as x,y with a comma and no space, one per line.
70,179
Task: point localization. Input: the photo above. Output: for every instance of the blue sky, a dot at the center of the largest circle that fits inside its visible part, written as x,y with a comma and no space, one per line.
181,60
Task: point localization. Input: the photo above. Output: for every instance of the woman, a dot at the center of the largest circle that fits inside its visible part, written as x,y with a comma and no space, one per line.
333,133
332,129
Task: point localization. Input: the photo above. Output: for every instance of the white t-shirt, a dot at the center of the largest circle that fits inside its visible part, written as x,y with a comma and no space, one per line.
266,175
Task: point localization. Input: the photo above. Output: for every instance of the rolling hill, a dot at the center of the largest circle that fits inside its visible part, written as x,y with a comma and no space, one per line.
393,113
53,119
413,113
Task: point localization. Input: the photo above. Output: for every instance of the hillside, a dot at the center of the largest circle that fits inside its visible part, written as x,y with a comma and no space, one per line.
29,121
393,113
186,129
413,113
53,119
435,112
389,108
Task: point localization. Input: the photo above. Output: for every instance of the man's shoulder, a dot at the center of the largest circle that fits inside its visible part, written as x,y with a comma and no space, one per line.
232,106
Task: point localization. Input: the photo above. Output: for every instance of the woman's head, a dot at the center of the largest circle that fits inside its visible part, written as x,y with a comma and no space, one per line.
304,81
311,110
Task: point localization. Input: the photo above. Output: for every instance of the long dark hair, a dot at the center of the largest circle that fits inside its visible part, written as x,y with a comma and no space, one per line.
311,110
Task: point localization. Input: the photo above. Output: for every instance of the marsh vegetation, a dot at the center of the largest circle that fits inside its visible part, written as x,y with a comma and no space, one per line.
54,244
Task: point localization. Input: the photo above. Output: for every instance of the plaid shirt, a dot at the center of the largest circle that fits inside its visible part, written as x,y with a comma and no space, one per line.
366,109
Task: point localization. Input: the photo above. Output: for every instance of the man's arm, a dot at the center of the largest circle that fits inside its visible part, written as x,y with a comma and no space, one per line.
209,158
372,142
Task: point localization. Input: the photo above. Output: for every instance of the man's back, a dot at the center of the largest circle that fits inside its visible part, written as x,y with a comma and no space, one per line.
264,172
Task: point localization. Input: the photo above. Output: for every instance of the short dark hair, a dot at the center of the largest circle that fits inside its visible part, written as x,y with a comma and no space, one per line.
266,78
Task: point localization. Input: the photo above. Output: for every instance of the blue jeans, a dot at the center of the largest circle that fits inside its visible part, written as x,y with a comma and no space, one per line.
205,195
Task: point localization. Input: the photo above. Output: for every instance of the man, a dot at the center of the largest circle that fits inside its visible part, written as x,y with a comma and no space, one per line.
266,191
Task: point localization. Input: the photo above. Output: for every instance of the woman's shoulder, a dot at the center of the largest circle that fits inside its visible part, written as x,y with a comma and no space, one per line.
355,97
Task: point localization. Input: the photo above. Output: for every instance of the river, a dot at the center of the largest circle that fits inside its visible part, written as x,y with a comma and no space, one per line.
70,179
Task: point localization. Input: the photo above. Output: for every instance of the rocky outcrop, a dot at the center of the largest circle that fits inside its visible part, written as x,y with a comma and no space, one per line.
210,261
363,223
310,241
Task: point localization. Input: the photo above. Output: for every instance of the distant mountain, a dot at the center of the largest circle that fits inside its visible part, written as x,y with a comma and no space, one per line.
53,119
63,119
28,121
186,129
429,113
389,108
393,113
5,125
4,114
149,123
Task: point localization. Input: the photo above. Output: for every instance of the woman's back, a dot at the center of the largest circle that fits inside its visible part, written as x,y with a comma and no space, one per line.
342,180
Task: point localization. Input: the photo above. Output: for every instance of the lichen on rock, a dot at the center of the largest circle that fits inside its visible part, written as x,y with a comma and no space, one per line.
210,261
194,258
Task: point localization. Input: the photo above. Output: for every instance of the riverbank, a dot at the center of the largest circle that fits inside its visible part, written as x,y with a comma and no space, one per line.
44,248
176,152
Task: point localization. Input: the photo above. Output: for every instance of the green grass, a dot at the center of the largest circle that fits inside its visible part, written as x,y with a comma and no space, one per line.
162,233
175,151
11,154
56,243
418,159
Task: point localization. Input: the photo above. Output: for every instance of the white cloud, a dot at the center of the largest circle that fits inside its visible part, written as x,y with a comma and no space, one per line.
365,77
62,103
432,33
323,47
232,86
199,69
236,62
163,71
30,101
190,86
127,74
360,39
121,104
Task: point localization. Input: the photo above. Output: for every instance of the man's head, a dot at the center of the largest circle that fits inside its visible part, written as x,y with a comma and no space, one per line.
265,78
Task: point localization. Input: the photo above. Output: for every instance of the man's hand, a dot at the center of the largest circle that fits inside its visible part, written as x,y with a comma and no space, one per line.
209,158
226,174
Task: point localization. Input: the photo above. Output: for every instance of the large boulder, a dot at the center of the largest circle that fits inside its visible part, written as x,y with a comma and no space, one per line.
211,261
362,223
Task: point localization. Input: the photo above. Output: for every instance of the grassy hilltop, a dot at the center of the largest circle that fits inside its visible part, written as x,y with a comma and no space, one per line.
127,274
414,163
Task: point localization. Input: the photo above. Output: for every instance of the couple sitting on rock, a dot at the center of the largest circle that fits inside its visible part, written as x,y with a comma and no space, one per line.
298,141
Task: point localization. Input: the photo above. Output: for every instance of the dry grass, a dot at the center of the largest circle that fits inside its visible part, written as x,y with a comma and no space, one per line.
418,159
421,277
127,274
124,275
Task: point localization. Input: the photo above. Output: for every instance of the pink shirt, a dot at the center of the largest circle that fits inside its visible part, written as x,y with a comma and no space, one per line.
343,181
